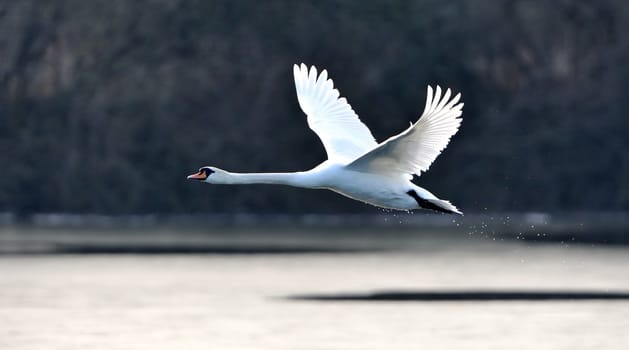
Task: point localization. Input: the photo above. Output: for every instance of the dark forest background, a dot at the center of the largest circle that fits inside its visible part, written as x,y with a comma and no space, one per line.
106,106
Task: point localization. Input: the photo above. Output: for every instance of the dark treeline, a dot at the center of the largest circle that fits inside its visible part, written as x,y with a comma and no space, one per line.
106,106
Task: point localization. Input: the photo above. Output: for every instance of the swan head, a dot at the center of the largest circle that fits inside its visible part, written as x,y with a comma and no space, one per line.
207,174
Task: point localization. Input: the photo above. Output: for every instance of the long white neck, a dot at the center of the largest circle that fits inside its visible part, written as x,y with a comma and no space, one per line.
298,179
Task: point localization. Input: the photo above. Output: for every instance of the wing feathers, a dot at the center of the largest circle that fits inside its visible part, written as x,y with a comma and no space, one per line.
342,133
414,150
347,139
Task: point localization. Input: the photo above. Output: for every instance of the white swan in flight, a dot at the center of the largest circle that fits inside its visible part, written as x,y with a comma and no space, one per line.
357,166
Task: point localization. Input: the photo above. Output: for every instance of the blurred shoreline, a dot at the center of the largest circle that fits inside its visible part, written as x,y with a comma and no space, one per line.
312,233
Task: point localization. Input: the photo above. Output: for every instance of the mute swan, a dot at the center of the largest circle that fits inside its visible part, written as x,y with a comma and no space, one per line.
357,167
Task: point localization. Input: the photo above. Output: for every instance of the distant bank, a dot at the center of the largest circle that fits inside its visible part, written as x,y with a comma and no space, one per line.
575,227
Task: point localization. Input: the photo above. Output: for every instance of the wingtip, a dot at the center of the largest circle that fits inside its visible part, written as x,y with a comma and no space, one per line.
323,76
457,98
429,97
438,93
312,75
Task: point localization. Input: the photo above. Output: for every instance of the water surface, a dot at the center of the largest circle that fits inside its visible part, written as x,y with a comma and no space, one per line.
255,299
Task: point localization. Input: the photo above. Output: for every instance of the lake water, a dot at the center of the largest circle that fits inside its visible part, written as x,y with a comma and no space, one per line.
261,300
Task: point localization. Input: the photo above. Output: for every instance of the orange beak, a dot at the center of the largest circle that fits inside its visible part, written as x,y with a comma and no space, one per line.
198,176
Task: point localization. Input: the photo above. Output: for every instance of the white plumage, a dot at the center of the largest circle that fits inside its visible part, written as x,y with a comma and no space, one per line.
343,135
414,150
357,166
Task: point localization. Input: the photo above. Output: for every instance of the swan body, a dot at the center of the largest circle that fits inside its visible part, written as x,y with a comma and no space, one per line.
358,167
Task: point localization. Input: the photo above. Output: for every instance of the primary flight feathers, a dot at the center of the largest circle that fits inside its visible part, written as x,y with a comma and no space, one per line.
345,137
414,150
342,133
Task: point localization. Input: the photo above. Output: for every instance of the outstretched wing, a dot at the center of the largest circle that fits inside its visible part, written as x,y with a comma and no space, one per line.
343,135
412,151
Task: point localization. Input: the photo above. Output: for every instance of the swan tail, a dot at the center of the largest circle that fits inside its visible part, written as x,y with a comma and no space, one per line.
432,202
441,206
